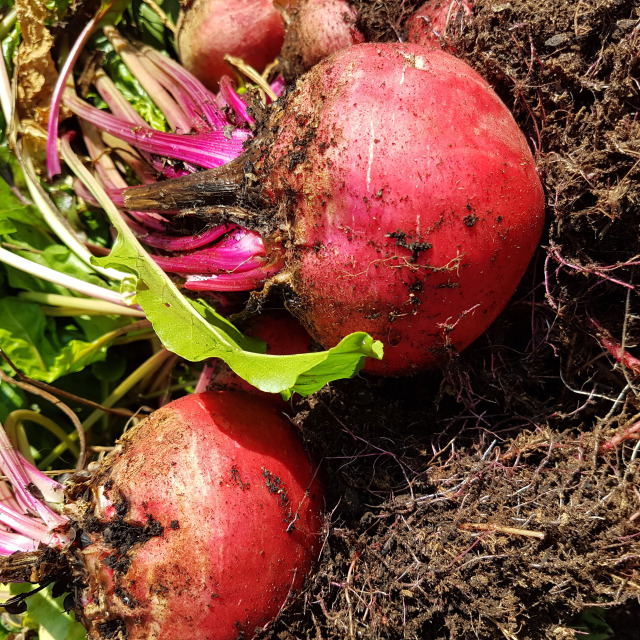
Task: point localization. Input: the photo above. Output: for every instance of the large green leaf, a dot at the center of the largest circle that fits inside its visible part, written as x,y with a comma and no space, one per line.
11,399
196,332
38,347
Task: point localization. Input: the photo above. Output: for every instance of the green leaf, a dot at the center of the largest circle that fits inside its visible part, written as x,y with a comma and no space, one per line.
112,369
149,26
38,347
11,398
114,10
54,256
10,45
93,327
306,373
58,8
23,228
196,332
13,211
46,614
192,329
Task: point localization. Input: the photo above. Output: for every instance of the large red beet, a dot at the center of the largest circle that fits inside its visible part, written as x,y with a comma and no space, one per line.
415,201
406,201
228,482
200,524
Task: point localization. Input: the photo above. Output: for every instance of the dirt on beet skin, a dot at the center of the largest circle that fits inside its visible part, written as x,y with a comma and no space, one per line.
499,496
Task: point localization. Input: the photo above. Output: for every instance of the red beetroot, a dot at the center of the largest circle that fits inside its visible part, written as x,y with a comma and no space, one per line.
318,29
407,196
199,524
436,20
416,206
210,29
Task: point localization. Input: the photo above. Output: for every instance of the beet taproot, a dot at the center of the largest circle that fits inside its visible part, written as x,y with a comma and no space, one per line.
416,205
405,199
203,521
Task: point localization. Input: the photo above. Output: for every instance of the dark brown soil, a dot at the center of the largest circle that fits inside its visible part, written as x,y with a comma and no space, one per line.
499,497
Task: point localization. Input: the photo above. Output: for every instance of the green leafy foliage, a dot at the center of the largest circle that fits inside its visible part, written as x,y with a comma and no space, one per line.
58,8
23,230
43,347
46,615
11,399
10,44
111,369
196,332
147,24
13,211
39,346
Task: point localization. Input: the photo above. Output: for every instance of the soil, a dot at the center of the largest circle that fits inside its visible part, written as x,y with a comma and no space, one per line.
499,497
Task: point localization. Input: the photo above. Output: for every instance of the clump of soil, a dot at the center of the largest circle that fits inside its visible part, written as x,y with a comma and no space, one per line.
384,21
499,497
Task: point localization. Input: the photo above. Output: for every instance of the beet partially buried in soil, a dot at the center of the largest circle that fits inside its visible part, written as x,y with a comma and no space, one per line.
412,218
498,497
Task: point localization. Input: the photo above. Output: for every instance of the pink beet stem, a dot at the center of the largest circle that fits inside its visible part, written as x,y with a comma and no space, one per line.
169,242
13,465
24,525
245,281
235,102
189,106
240,251
278,85
51,490
11,542
205,378
200,94
53,160
207,150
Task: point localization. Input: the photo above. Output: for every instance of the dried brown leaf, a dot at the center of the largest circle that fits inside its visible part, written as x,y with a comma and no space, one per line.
35,69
